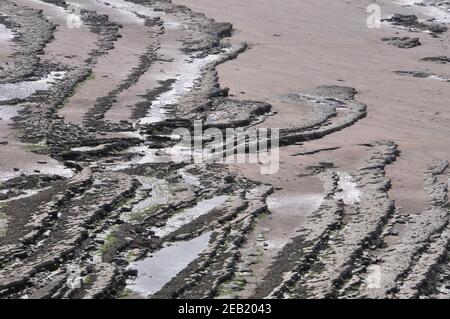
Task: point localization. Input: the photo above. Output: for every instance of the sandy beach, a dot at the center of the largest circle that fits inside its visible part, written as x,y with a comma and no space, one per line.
358,207
299,46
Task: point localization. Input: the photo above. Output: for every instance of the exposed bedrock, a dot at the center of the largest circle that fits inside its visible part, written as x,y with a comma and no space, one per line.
32,32
333,243
403,42
109,226
412,23
335,108
437,59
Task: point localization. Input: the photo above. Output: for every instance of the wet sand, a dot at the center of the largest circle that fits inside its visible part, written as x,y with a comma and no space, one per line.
145,226
302,44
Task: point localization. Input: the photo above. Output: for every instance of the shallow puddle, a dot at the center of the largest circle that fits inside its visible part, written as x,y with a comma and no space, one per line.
188,72
3,224
189,215
288,209
156,271
26,193
7,112
22,90
29,166
304,204
5,34
88,148
145,155
16,158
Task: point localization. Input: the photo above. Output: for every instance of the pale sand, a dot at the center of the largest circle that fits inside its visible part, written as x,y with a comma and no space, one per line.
298,45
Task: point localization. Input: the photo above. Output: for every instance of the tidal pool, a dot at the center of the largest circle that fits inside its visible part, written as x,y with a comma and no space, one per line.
189,215
157,270
22,90
5,33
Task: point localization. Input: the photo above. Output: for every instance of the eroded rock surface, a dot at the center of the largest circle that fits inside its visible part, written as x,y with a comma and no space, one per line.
109,197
